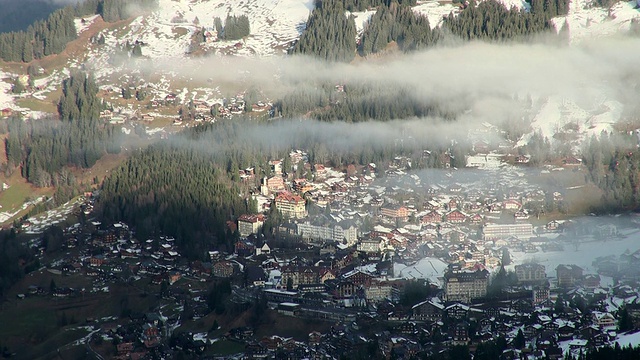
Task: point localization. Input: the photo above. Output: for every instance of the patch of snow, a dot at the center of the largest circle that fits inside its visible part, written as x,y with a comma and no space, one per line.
588,22
275,24
435,11
428,268
583,256
361,18
632,339
84,23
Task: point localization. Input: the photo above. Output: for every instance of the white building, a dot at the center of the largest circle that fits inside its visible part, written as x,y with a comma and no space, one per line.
336,232
497,231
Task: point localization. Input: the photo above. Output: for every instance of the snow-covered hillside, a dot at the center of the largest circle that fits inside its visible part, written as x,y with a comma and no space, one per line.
167,31
587,22
275,24
557,114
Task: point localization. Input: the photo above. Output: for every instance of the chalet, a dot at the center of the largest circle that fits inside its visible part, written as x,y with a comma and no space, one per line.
358,277
461,333
201,107
456,311
430,310
97,260
224,269
106,115
456,217
511,204
566,331
521,305
260,107
320,170
476,219
62,292
568,275
344,289
604,320
591,281
244,248
432,217
326,275
270,264
247,174
264,249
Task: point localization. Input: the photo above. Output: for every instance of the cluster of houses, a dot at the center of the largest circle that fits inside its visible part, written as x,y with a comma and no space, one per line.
334,259
389,211
535,317
194,111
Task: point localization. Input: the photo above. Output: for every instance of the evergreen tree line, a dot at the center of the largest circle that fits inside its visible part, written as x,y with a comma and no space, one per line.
549,8
361,5
362,102
329,34
12,253
611,352
492,21
43,38
51,36
400,24
614,164
114,10
44,148
171,188
235,27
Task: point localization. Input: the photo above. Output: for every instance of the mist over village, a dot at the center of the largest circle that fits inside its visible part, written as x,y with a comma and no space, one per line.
320,179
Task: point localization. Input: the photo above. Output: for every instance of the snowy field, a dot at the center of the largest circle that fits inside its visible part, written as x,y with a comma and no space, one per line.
428,268
167,31
587,250
582,255
41,222
588,22
6,99
435,11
